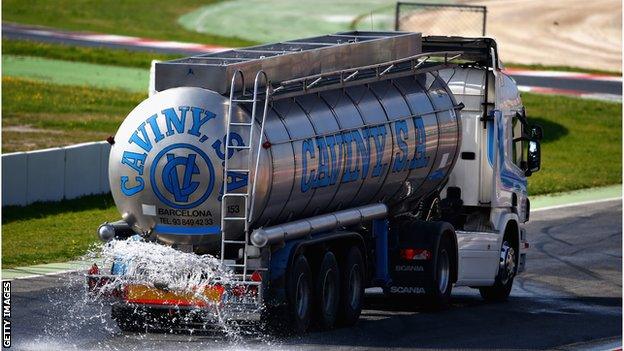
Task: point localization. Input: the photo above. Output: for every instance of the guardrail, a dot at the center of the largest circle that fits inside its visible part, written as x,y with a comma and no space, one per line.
55,174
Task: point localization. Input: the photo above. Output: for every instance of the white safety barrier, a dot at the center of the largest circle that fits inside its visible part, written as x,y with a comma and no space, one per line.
55,174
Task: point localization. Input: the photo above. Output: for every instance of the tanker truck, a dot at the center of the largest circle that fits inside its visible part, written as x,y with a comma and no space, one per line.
319,167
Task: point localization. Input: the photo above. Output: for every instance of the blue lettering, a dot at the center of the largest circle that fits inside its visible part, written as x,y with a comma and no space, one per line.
173,121
158,136
379,137
336,160
217,145
419,160
322,179
135,160
144,143
135,189
306,149
348,174
198,121
236,180
363,153
400,160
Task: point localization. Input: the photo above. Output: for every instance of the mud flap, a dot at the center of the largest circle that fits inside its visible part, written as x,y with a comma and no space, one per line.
413,257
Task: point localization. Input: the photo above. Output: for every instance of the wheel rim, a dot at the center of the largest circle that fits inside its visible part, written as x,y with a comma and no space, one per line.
507,267
443,271
301,297
355,285
329,286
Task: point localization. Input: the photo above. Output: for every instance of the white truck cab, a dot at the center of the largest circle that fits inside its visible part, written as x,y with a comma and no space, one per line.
495,146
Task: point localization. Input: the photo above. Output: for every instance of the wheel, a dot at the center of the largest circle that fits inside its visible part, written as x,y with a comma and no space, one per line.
351,288
439,292
299,295
504,279
327,291
126,320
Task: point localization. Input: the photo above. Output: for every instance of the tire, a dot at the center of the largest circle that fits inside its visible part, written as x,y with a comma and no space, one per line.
327,292
299,309
351,288
438,294
504,279
126,320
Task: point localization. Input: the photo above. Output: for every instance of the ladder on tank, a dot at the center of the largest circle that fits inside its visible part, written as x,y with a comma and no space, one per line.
248,196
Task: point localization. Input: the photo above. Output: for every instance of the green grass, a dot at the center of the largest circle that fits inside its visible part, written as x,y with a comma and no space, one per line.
276,20
103,56
155,19
52,232
76,73
537,67
38,115
582,146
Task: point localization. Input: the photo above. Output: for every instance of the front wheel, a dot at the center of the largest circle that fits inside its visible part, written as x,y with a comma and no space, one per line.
504,279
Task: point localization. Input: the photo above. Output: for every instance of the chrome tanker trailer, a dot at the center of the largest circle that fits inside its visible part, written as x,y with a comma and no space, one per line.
316,168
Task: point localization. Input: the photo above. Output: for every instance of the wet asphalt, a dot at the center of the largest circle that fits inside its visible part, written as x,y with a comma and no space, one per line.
569,298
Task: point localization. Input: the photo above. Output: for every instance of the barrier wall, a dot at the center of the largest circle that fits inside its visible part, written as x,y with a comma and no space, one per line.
55,174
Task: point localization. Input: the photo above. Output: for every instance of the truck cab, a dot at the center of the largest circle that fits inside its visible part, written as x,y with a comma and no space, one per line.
502,148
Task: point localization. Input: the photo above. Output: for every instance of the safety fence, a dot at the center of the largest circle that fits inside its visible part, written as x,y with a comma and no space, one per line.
55,174
441,19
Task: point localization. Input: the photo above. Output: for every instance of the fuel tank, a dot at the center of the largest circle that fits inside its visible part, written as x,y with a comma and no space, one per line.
392,141
389,135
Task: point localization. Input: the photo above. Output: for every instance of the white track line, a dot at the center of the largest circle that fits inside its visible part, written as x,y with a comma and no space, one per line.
576,204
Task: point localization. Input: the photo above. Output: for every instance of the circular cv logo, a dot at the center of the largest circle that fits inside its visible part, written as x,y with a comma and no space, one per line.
182,176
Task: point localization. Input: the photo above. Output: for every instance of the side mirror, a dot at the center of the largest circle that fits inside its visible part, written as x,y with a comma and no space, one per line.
536,133
533,157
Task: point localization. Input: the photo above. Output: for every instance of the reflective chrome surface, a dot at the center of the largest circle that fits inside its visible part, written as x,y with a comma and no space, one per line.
392,141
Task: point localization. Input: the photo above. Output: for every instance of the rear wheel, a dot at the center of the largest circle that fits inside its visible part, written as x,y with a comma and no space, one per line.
504,279
352,288
299,295
439,293
328,291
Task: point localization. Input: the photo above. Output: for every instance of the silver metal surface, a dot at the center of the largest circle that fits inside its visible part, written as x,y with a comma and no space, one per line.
287,60
106,232
391,141
327,222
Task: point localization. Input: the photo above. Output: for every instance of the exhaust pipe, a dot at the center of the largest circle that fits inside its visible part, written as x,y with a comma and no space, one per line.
304,227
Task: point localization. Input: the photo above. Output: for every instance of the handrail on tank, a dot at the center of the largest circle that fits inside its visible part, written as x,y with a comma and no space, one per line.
261,136
426,55
350,74
233,84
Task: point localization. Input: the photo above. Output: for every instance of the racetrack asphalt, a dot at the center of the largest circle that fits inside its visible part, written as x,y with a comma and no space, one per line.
569,298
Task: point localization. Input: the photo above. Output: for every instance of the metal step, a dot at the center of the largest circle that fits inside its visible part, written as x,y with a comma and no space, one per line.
235,194
239,171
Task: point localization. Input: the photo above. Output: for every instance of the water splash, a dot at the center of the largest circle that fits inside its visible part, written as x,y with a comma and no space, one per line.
77,319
